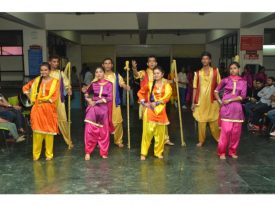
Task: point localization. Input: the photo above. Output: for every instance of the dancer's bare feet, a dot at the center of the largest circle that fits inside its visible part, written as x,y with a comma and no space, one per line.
48,159
87,157
35,159
168,142
199,144
120,145
160,157
234,156
71,146
104,156
142,158
222,157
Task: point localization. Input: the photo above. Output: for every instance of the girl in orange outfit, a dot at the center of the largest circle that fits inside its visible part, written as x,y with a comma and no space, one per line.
43,92
155,118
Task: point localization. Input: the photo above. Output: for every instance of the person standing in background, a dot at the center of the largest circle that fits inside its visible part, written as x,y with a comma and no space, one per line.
182,81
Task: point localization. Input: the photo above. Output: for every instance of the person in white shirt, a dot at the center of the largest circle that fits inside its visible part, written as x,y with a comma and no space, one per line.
263,105
182,81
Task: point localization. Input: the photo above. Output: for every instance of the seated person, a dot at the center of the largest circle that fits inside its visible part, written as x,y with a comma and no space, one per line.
263,105
11,114
254,98
271,115
12,130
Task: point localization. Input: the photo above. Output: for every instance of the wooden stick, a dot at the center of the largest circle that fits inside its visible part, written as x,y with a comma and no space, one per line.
128,103
67,71
174,65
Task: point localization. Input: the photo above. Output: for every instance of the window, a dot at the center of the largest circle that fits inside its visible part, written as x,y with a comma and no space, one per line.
11,51
11,43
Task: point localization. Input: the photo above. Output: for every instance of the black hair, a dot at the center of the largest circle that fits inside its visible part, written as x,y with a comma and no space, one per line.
108,58
100,67
206,53
45,64
159,68
154,82
272,78
260,80
236,64
54,57
151,56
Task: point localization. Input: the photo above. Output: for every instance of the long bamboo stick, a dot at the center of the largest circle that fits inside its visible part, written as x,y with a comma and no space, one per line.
174,65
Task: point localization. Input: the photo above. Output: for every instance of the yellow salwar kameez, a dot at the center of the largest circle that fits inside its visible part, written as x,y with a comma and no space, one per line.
155,120
61,110
206,111
148,76
116,113
43,114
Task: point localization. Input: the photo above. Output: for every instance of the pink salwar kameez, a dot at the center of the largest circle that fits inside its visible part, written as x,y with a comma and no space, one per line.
231,115
98,121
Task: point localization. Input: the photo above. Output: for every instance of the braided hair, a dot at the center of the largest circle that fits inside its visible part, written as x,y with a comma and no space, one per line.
154,82
45,64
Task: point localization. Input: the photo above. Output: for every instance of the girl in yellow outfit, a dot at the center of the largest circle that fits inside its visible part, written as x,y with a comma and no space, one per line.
43,92
155,118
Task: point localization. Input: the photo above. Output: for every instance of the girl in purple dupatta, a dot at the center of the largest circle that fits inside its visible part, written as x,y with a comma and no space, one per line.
231,112
98,120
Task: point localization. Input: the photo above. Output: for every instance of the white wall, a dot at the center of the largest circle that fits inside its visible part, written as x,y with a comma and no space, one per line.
30,37
214,49
185,20
87,39
74,55
11,63
269,63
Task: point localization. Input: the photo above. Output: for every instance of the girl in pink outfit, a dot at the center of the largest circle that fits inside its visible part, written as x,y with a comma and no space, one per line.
98,120
231,112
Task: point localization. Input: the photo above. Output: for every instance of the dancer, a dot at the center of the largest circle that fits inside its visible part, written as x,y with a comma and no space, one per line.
98,121
145,77
231,112
117,81
205,108
153,97
61,110
43,92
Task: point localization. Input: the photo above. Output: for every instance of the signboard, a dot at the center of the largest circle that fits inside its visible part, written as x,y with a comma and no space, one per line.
35,60
252,42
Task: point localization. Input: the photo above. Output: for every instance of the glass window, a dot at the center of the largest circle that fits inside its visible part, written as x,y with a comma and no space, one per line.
11,51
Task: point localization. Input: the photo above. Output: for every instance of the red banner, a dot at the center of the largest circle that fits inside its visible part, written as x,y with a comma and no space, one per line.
252,42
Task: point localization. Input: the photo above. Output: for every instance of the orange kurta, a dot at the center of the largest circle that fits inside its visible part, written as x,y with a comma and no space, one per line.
158,114
43,113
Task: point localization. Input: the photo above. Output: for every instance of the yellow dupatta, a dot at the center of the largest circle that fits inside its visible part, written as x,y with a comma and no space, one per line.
34,91
166,96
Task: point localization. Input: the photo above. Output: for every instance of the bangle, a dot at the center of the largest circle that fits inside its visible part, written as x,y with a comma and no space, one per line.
157,103
142,102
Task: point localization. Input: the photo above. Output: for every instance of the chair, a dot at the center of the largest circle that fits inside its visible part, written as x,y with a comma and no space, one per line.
14,101
4,135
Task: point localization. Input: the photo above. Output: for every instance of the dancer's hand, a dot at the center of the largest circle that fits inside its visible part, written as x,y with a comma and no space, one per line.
193,106
90,102
153,104
70,92
226,101
84,89
127,88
